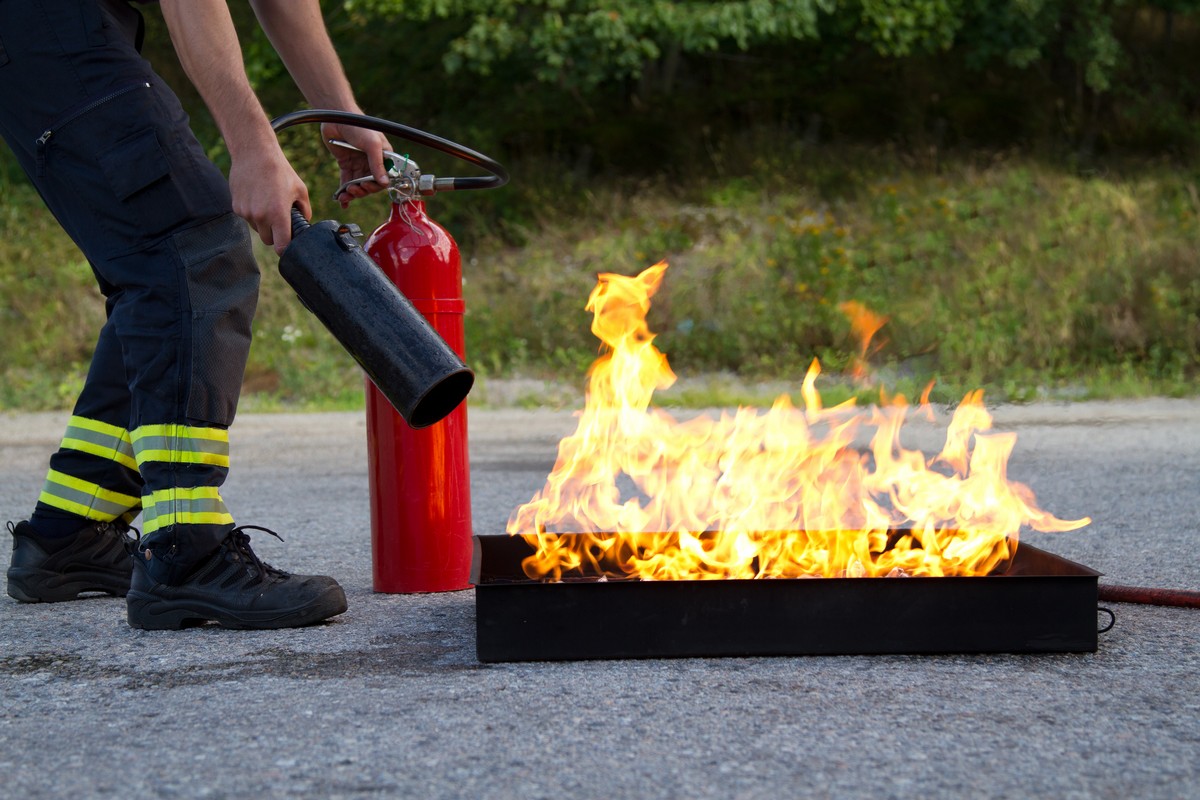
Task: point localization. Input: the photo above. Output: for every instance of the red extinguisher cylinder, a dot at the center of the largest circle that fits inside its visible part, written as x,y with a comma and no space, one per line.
420,479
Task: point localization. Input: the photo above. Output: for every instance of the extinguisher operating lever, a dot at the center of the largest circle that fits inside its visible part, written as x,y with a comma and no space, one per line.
404,173
407,179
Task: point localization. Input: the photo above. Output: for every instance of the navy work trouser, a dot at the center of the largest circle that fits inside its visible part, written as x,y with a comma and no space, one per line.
109,149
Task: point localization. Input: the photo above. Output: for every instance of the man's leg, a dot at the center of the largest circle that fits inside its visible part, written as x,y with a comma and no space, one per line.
75,541
109,148
94,474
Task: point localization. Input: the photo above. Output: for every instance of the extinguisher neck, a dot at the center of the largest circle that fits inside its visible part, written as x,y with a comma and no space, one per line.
408,209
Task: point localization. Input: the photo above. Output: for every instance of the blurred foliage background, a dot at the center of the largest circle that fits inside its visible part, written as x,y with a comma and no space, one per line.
1013,183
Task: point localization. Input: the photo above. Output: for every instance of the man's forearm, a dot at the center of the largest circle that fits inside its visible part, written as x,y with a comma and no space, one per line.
297,32
264,186
262,183
206,41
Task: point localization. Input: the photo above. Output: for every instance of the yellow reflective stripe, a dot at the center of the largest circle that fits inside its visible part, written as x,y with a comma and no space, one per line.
100,439
201,505
185,518
115,431
84,498
181,431
181,444
183,457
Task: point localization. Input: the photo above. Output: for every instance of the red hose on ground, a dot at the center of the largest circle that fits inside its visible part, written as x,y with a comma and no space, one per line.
1114,593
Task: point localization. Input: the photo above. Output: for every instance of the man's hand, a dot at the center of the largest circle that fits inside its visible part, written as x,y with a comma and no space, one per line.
264,188
370,162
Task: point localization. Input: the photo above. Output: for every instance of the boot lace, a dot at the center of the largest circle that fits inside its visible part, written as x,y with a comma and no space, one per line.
125,533
238,543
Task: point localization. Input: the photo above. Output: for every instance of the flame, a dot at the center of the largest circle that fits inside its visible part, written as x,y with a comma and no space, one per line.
865,323
777,494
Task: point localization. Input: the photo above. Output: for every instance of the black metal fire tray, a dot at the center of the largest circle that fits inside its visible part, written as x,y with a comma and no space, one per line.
1039,603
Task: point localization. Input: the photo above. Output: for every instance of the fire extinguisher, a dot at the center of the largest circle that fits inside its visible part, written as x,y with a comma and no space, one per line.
417,446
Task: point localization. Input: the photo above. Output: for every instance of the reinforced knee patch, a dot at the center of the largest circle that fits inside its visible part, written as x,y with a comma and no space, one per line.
222,281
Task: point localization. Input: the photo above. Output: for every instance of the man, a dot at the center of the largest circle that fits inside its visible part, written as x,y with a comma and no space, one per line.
108,147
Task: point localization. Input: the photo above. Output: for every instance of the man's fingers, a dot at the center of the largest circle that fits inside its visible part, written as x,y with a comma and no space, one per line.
281,232
264,233
369,160
275,228
281,227
378,168
282,240
360,188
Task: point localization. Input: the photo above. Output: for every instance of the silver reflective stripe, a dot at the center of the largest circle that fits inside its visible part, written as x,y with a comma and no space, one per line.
100,439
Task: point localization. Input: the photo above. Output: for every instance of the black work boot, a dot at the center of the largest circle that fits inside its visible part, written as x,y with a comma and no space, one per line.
233,588
51,570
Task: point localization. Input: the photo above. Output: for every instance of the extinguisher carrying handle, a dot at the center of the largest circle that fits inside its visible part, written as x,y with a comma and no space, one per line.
499,175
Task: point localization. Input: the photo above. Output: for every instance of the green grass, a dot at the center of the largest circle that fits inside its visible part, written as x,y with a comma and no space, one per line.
995,270
1000,272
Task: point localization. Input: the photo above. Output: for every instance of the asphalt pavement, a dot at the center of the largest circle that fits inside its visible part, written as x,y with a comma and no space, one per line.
389,700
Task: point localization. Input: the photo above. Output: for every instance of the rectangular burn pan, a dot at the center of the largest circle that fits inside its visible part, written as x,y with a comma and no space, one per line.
1040,604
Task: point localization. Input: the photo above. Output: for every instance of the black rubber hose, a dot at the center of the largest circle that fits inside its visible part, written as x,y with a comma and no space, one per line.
299,223
499,175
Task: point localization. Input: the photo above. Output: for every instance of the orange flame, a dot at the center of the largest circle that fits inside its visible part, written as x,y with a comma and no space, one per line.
777,494
865,323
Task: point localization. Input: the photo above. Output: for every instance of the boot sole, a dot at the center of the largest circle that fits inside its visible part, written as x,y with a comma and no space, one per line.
40,586
150,613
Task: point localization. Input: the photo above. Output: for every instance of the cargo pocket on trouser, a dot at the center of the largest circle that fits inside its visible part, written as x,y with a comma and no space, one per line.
121,170
222,280
139,173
